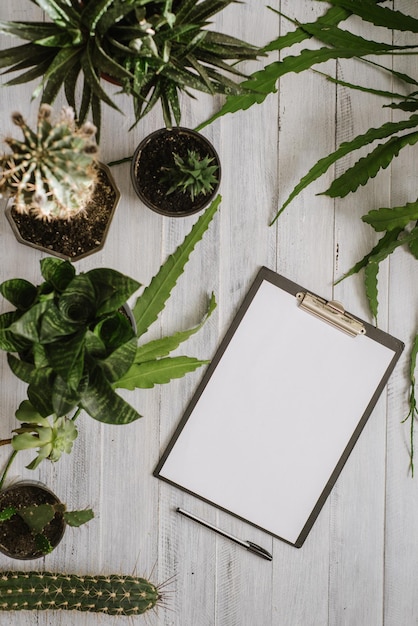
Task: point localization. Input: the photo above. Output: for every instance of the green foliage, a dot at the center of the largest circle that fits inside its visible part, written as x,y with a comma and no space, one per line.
413,406
112,594
51,174
70,342
192,175
154,49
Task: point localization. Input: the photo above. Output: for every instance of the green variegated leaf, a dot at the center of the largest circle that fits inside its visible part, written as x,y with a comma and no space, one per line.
158,372
370,281
162,347
55,325
112,289
64,397
63,16
66,357
27,326
119,362
367,167
383,253
21,293
57,272
102,403
8,340
21,369
390,218
154,297
40,391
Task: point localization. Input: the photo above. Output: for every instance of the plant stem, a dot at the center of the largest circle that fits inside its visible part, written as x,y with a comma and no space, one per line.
76,414
6,469
4,442
119,161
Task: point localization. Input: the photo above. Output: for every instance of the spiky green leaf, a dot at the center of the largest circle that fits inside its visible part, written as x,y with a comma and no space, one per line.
390,218
154,297
158,372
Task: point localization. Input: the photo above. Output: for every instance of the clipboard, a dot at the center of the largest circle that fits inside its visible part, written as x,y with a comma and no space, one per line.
279,408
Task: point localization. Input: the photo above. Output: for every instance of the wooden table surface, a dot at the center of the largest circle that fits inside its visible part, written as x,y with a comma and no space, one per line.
359,563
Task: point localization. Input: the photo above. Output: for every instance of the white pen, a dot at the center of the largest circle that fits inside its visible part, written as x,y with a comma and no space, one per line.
248,545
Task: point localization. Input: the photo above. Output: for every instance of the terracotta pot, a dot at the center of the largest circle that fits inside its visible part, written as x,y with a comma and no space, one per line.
154,154
17,541
62,238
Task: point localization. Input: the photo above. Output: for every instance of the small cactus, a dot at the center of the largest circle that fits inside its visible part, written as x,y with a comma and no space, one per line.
51,174
193,174
111,595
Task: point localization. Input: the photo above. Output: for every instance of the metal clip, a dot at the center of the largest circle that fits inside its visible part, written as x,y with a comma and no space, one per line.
331,312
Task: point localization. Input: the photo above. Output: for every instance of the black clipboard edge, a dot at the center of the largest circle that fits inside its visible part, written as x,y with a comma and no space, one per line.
371,331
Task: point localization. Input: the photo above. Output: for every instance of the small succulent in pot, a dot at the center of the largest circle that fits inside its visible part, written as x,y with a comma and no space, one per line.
176,172
193,175
51,174
33,520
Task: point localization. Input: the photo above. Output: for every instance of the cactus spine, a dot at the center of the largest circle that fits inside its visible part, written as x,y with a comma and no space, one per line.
112,595
51,174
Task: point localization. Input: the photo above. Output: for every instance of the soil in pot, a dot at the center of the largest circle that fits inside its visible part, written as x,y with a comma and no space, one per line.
78,237
16,539
154,154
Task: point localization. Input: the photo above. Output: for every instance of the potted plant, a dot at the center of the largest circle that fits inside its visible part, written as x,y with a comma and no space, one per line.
153,49
61,198
69,340
109,594
33,520
176,172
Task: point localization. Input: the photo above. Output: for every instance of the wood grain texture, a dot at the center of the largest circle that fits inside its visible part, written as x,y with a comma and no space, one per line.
358,565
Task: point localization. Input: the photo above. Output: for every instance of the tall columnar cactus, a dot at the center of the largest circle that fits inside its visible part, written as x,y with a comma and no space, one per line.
112,595
51,174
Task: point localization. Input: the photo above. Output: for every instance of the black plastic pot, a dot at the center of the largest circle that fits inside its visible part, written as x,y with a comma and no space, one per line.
17,541
155,153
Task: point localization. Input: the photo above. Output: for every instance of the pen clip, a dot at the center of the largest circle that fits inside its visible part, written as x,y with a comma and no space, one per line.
253,547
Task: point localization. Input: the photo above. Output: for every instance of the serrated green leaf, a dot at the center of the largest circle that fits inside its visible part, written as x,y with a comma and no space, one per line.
379,15
162,347
386,241
368,166
152,301
413,245
370,282
390,218
373,134
158,372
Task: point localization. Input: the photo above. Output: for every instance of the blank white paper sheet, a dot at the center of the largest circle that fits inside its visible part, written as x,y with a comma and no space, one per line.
278,412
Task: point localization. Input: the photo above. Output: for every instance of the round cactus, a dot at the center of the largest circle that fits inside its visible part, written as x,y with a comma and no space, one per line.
51,174
112,595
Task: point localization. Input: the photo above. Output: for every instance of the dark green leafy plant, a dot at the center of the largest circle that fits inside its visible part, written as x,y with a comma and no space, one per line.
154,49
37,516
69,340
192,175
398,225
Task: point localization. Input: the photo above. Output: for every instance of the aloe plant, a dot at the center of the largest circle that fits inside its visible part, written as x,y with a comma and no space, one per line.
68,339
112,594
154,48
51,174
192,175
